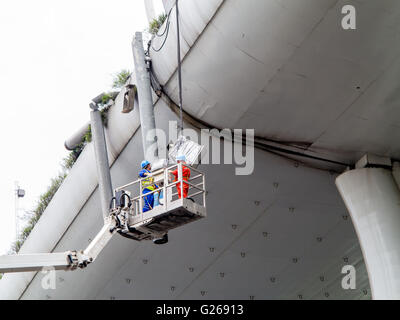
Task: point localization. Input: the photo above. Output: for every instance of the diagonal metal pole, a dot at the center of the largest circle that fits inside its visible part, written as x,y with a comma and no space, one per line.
102,164
146,109
179,66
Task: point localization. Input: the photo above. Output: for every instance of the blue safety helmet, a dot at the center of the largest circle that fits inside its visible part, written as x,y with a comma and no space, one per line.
181,158
144,163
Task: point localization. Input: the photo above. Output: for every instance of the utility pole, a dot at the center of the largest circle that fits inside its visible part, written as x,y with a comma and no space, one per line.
146,109
101,155
19,193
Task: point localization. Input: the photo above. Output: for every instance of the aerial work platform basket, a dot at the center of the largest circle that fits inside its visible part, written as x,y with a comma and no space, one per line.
172,211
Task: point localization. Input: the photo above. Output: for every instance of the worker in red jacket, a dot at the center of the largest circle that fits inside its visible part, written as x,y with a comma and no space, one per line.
185,176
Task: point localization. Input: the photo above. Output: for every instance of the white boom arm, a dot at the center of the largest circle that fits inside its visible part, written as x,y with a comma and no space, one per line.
35,262
69,260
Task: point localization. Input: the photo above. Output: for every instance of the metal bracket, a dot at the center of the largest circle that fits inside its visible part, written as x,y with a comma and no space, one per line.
78,259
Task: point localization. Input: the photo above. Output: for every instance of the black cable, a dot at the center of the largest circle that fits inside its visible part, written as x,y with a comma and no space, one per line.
298,154
129,199
167,24
259,145
166,32
179,64
165,40
155,84
111,202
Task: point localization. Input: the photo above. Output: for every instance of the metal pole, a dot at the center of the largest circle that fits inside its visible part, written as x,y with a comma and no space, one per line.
140,198
103,167
165,189
179,67
16,210
180,177
204,192
146,109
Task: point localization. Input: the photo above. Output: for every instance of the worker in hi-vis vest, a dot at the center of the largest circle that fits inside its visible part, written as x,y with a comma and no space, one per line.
147,185
185,176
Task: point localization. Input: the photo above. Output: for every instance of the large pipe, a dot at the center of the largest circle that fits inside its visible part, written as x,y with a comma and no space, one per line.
76,139
146,109
103,167
372,197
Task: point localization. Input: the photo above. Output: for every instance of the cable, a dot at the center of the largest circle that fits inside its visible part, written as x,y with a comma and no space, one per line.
113,199
165,29
127,196
166,32
179,65
259,145
165,40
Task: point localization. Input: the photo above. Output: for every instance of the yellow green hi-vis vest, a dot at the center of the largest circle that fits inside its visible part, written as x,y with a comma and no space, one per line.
147,183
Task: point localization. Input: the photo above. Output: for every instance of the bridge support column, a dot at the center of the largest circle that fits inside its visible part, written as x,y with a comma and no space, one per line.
102,164
372,198
146,108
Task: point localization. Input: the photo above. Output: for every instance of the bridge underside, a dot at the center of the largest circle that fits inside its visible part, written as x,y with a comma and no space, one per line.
282,232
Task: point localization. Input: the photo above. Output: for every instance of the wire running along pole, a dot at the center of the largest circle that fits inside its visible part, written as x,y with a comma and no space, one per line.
179,66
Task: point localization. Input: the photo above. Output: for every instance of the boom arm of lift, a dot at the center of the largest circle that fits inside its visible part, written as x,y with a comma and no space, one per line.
125,219
69,260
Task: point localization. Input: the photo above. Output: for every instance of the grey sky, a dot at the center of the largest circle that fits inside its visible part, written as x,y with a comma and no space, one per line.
55,56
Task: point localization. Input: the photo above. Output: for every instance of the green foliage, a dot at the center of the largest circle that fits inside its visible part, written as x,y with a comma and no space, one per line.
104,115
106,98
26,232
104,106
55,184
41,206
47,196
69,161
87,138
121,78
15,246
155,24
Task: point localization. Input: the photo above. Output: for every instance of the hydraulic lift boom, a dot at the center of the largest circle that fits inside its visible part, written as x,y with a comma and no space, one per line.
69,260
127,219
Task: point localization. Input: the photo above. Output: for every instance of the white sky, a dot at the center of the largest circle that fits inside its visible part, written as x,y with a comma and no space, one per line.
54,57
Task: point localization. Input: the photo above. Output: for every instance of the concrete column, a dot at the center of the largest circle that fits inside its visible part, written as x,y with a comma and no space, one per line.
103,166
372,198
146,109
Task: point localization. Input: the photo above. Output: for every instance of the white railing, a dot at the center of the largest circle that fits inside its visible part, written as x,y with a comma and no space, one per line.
162,178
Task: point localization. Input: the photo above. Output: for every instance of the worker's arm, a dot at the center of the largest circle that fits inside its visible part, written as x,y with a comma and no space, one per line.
186,171
174,174
143,174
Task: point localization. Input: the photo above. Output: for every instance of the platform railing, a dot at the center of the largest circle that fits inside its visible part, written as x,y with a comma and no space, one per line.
162,179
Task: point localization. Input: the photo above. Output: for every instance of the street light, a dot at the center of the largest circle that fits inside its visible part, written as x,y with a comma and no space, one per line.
20,193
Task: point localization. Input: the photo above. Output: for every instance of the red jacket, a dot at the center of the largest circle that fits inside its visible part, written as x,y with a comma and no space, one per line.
185,176
185,173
